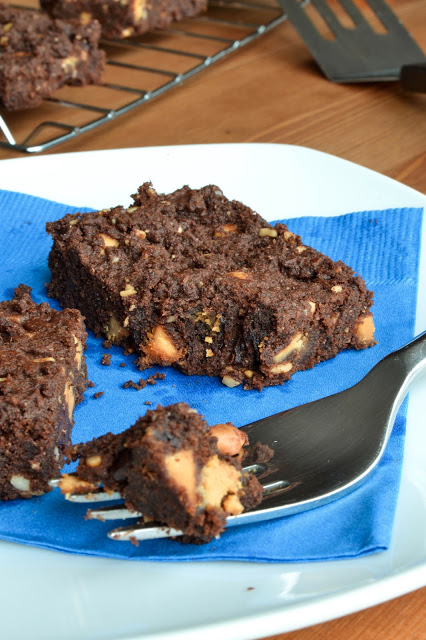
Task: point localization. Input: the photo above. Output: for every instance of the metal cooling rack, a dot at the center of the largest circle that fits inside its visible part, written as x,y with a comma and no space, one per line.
139,70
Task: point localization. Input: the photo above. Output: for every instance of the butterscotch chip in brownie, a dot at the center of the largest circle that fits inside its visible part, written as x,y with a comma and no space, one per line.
169,467
127,17
38,55
42,377
194,280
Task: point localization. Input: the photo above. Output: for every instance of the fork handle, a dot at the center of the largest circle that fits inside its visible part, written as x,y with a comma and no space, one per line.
413,77
410,359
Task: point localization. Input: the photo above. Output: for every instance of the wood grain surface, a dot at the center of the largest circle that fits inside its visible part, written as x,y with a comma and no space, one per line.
272,91
400,619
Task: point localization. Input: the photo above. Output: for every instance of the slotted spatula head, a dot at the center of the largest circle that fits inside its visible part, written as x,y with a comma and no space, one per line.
359,53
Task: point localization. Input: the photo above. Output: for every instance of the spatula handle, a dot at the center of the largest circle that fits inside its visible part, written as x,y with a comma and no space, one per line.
413,77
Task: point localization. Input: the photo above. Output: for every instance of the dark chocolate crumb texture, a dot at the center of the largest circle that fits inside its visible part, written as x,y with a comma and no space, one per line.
42,377
38,55
130,384
127,17
196,281
172,467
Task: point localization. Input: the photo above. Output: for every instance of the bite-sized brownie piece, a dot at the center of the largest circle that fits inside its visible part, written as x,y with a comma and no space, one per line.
127,17
42,377
196,281
38,55
173,469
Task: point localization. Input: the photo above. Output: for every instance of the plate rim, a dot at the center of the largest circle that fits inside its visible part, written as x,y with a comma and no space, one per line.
346,600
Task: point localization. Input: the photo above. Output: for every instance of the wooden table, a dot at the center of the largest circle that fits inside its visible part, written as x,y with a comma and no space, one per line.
400,619
272,91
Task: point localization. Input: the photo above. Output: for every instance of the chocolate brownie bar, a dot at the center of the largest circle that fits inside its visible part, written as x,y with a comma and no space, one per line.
127,17
196,281
38,55
170,467
42,376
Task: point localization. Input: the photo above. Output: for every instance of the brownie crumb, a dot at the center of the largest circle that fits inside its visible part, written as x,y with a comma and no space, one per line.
90,384
130,384
88,516
147,402
153,379
107,344
128,351
123,364
98,394
106,359
258,453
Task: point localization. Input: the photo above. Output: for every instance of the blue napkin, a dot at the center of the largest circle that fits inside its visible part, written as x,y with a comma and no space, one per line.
383,246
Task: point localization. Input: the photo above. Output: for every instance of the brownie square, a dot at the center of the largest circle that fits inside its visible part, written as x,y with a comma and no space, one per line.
125,18
194,280
42,377
38,55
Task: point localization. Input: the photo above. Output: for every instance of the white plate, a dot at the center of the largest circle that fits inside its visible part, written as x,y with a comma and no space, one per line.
47,595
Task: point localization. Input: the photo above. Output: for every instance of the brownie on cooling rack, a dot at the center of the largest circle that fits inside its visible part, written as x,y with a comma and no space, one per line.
38,55
169,466
42,377
127,17
196,281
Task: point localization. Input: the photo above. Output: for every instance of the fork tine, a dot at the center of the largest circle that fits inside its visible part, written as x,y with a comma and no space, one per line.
148,531
96,496
99,495
143,531
151,531
114,512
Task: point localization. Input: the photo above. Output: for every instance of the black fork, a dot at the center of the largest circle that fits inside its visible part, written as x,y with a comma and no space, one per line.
360,53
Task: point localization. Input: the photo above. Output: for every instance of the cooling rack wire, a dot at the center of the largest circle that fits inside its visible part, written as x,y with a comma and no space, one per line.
139,70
